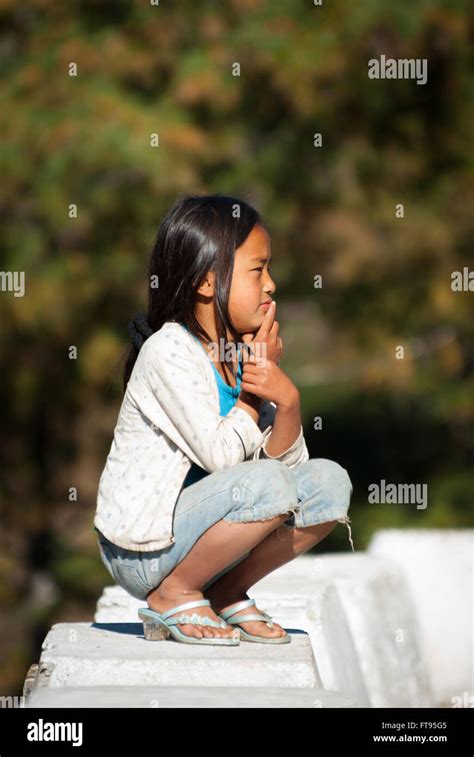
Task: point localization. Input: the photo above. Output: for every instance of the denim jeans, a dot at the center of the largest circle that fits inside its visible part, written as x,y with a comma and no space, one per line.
314,492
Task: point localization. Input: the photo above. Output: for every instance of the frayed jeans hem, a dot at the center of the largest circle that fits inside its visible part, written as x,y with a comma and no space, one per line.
250,516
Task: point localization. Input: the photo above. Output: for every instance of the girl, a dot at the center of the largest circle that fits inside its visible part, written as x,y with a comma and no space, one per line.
208,485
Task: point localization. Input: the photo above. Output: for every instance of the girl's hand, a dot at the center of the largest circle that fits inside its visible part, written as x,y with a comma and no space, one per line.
266,380
265,342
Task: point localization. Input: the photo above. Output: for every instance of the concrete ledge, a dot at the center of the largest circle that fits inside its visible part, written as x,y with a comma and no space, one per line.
359,613
315,608
117,654
189,696
384,626
356,642
437,566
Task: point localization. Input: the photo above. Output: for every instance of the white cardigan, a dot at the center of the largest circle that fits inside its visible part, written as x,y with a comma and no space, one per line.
169,419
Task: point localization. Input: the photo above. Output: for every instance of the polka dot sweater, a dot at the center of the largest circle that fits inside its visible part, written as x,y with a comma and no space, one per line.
169,420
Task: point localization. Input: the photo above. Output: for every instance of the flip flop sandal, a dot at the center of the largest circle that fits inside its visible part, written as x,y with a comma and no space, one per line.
157,627
244,635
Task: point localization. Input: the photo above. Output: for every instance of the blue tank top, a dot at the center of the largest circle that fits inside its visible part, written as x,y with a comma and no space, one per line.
228,396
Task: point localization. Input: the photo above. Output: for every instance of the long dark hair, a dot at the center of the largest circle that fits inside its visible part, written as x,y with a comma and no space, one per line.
200,233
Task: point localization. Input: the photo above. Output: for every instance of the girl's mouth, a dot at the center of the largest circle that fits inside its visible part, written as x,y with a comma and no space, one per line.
265,305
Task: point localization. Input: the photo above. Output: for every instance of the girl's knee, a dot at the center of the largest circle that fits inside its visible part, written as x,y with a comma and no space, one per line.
334,478
337,486
269,491
276,477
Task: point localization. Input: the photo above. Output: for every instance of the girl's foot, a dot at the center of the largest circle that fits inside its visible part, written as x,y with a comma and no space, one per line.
161,602
254,627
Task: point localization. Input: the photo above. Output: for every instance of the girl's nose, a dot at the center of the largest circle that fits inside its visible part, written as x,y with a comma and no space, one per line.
270,287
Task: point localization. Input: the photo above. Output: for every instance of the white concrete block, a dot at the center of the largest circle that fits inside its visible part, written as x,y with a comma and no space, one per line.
437,565
117,654
366,643
185,696
116,606
318,612
380,616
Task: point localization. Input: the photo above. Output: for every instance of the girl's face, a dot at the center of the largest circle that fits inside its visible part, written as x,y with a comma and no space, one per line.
251,283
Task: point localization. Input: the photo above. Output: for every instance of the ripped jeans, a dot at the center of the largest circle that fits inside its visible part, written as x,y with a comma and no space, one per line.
314,492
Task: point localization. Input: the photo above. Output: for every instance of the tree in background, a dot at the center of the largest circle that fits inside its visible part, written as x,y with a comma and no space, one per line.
111,110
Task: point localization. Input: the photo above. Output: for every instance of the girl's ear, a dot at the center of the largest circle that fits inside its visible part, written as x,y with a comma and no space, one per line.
206,287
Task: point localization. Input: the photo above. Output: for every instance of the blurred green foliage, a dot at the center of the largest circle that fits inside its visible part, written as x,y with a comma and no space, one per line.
85,140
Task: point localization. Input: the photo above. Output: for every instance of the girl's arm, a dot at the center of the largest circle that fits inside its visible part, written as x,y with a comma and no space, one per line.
287,428
286,441
250,403
287,432
281,409
173,393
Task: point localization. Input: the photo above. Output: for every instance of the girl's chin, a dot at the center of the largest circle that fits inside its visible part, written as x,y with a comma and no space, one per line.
251,330
253,327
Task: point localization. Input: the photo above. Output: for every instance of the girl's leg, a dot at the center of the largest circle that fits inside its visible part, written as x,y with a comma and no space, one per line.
280,546
324,491
221,518
219,546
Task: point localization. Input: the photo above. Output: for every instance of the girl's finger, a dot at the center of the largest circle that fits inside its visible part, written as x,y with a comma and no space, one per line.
249,379
252,388
252,378
251,369
267,322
